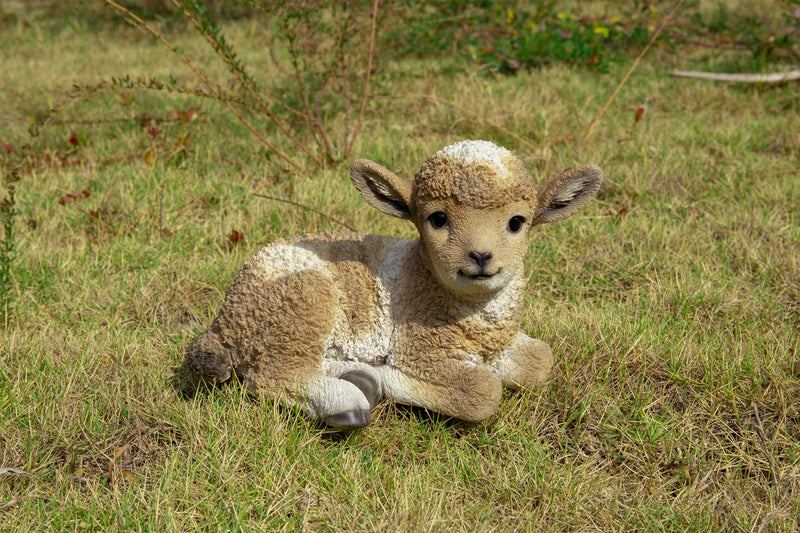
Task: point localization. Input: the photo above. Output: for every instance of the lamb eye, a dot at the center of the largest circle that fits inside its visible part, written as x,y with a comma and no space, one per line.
438,220
515,224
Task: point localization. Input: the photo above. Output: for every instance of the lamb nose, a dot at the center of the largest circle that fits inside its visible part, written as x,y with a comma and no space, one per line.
481,259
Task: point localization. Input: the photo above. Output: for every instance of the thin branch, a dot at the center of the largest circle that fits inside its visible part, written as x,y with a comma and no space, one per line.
345,82
770,459
214,89
774,77
9,470
704,44
760,16
366,79
10,503
491,123
246,83
240,72
301,206
318,115
308,115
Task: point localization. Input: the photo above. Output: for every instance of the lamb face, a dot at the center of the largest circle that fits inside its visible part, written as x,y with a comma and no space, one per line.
474,253
473,204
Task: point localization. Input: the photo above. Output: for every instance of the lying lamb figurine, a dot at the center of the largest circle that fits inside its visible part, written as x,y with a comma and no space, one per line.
334,322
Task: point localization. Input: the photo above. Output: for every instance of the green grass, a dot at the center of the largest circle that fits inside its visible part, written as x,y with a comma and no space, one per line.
672,304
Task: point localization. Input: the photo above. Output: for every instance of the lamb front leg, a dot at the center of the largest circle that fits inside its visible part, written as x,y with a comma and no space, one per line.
525,363
455,388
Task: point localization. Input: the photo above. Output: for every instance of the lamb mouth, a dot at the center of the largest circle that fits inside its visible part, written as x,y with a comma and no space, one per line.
479,277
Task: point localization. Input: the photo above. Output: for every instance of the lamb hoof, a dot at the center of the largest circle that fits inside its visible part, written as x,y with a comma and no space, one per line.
366,384
348,419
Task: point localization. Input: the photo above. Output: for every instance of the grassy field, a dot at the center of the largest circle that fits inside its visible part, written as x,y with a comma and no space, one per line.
672,303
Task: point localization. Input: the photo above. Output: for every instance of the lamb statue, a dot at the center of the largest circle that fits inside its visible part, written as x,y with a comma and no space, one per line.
335,322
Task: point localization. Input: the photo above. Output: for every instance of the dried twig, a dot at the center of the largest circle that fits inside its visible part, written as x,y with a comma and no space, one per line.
301,206
774,77
768,517
763,438
13,501
10,503
366,79
9,470
212,87
245,80
454,105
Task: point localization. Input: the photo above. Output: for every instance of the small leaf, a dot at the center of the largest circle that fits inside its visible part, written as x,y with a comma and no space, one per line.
77,139
122,449
74,196
235,237
639,114
128,473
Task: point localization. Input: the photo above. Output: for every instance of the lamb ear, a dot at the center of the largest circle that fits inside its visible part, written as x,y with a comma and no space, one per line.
381,188
567,194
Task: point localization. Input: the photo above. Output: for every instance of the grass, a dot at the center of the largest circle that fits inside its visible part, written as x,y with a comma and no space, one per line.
672,304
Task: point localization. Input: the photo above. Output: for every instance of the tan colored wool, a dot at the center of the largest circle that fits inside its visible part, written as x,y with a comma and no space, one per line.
334,322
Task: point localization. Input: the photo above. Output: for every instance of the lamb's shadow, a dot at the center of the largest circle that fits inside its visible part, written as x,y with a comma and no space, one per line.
400,414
